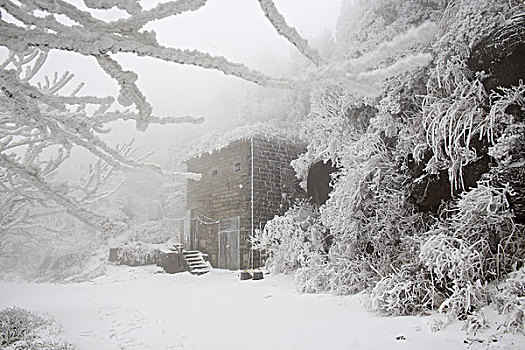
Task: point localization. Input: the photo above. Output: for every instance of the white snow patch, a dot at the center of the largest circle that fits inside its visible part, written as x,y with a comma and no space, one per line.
134,308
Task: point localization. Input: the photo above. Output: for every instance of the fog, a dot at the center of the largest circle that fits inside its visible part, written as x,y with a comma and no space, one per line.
235,29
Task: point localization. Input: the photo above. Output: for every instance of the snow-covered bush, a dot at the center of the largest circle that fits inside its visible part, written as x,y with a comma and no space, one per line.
452,120
314,277
407,291
56,255
372,225
154,232
510,144
21,329
465,300
373,229
16,324
478,243
454,106
290,240
427,123
510,299
379,237
136,254
64,263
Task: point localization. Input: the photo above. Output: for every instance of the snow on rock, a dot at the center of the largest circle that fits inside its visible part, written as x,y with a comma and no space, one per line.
134,308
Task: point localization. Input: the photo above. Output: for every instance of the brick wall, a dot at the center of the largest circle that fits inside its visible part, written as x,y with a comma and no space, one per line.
275,184
225,190
222,193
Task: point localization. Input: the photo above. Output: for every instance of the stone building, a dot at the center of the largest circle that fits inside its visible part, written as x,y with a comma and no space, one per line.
244,184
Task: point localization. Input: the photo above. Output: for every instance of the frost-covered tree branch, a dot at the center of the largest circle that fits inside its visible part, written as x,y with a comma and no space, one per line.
359,75
40,124
290,33
39,127
94,37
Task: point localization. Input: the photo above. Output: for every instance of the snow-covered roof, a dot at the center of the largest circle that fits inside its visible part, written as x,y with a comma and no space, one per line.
217,142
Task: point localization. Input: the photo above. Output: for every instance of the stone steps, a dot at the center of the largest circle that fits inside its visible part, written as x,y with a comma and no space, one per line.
196,263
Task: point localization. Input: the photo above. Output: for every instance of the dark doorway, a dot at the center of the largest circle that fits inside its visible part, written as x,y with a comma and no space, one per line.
318,183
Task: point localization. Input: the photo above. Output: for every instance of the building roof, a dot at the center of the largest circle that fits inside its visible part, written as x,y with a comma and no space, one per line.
256,131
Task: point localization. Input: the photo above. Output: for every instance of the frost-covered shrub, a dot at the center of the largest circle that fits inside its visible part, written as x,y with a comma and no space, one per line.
478,243
434,120
374,228
407,291
506,104
451,258
290,240
465,299
155,232
371,224
451,121
510,299
314,277
481,232
21,329
454,107
136,254
57,255
370,239
509,144
16,324
64,264
336,118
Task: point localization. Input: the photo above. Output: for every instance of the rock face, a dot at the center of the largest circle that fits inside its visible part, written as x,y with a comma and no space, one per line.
428,193
501,55
432,190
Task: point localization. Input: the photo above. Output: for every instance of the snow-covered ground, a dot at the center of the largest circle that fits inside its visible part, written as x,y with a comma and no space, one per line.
133,308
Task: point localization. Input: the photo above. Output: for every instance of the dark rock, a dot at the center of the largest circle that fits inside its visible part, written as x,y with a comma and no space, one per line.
258,275
369,247
428,193
501,55
245,275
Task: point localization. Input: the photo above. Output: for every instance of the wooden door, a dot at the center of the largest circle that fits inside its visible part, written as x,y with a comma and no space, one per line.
229,253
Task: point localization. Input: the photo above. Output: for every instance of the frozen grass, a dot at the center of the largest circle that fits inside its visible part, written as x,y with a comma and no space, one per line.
21,329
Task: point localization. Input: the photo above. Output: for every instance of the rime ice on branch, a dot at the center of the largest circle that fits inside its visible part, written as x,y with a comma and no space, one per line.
37,118
38,129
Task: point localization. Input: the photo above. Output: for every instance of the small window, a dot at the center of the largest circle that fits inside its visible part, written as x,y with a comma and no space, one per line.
237,167
214,172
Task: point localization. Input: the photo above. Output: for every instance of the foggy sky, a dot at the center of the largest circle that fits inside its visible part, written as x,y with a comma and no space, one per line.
235,29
